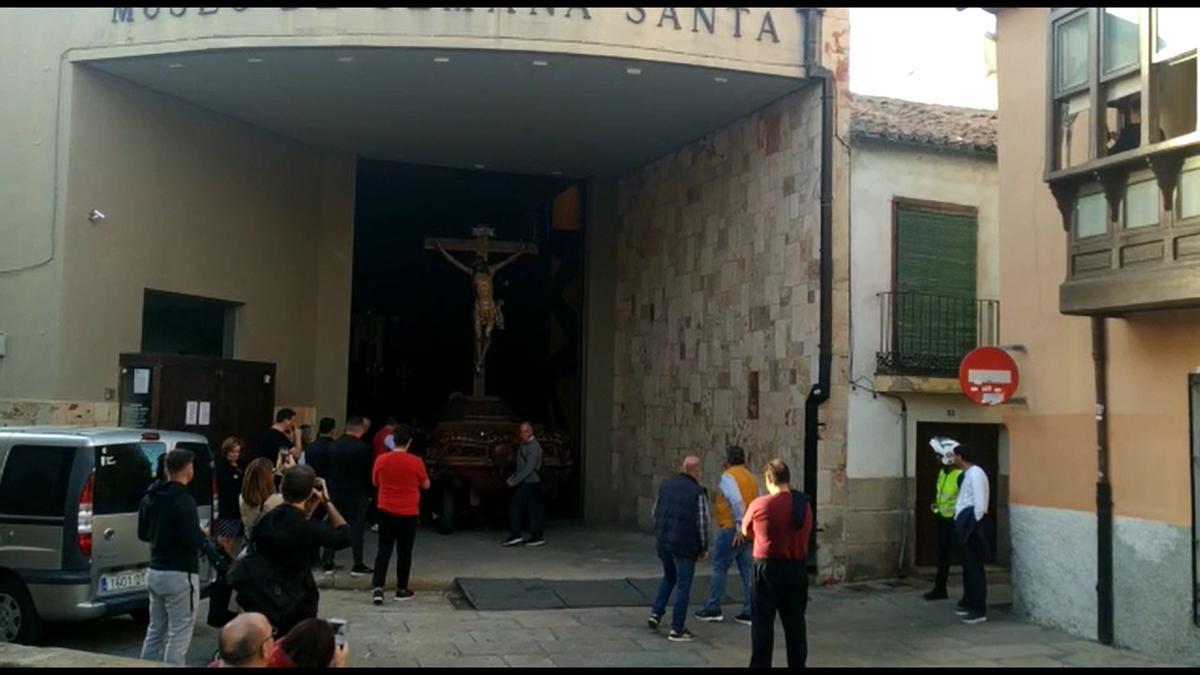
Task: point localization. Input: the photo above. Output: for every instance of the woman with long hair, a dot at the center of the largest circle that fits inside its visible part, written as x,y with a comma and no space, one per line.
258,493
229,485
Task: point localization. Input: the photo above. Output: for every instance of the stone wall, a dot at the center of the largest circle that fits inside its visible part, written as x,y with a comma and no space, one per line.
14,413
717,300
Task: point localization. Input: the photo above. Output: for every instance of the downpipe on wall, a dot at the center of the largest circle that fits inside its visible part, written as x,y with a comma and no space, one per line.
819,393
1104,503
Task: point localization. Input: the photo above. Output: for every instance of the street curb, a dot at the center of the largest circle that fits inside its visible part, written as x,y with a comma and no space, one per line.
24,656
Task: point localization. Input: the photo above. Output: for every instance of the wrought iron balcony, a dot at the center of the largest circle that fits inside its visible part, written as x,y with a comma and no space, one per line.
929,334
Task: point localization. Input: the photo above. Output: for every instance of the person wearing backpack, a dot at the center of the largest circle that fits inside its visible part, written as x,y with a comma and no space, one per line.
275,577
167,519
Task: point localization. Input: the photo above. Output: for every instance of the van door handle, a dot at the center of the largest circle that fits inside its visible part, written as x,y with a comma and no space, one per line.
108,534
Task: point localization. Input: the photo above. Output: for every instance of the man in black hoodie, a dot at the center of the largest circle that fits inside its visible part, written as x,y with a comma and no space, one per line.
167,519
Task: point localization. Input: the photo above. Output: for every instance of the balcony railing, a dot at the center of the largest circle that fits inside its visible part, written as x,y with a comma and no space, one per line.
929,334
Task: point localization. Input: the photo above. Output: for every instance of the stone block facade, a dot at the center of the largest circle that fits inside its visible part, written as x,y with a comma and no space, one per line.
718,314
15,413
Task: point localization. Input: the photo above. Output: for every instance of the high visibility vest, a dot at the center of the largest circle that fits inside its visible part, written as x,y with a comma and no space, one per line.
947,492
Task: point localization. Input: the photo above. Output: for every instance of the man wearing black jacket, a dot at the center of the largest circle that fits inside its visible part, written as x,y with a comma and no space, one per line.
348,466
167,519
287,536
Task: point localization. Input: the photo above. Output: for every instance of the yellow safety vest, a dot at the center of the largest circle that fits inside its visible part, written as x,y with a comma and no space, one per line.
947,492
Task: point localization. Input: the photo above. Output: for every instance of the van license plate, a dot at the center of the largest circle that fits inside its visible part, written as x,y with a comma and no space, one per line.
124,581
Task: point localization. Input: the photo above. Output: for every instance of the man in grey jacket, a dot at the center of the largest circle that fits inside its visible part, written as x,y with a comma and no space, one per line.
527,488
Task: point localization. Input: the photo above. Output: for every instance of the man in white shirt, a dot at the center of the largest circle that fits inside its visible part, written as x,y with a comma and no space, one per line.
971,525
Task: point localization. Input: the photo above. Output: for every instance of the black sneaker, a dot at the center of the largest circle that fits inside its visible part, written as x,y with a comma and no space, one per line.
961,604
403,594
536,542
328,569
361,570
974,617
935,595
684,635
743,618
654,621
709,615
962,612
377,596
513,541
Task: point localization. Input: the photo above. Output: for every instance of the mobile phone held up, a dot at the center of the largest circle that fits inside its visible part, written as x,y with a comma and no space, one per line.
339,631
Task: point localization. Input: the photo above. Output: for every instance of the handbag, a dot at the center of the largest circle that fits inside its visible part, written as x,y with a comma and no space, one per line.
263,587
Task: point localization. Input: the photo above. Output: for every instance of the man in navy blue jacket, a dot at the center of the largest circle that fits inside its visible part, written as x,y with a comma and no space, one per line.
681,521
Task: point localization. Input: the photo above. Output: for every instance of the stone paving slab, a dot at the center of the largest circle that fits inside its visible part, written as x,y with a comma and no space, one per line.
429,631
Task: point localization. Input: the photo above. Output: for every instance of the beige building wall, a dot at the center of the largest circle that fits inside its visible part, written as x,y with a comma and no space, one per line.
200,204
881,172
1053,440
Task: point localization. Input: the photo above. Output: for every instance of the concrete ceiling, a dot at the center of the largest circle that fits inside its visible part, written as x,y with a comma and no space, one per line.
581,116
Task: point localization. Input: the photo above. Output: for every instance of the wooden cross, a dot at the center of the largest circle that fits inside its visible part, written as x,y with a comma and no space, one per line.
482,246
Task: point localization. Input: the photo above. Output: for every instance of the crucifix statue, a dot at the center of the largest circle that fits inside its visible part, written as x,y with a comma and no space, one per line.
487,314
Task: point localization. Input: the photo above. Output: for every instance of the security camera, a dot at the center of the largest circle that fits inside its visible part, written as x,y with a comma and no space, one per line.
95,216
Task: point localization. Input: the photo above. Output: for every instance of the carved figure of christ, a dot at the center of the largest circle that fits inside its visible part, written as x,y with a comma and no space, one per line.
487,313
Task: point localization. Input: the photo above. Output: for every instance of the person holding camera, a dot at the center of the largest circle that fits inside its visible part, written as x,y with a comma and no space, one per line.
288,536
313,643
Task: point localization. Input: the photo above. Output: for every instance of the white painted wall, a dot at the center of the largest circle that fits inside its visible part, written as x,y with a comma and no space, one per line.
879,173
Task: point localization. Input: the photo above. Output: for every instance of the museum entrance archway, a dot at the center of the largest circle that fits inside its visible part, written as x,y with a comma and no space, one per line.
412,337
487,137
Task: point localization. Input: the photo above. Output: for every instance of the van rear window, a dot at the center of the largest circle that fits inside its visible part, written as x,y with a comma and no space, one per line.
123,473
35,480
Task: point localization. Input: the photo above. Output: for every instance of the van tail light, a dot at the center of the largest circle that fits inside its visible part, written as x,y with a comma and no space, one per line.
83,530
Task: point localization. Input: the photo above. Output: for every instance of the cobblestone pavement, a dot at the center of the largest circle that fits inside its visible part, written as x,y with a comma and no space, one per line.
879,624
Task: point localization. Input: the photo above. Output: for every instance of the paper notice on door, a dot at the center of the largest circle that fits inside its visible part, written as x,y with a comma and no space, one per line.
193,408
205,410
141,380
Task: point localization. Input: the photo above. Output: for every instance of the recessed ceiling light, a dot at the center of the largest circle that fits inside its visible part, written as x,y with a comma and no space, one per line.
441,59
254,59
720,79
541,63
345,59
175,65
479,166
634,71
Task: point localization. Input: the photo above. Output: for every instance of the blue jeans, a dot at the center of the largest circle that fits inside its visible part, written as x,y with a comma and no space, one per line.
723,556
677,574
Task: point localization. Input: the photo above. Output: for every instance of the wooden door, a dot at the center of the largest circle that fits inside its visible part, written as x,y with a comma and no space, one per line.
984,439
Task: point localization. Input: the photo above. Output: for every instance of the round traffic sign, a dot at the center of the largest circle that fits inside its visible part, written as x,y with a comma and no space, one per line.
988,376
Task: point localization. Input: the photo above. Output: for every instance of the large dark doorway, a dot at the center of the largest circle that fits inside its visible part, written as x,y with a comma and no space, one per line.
984,439
412,334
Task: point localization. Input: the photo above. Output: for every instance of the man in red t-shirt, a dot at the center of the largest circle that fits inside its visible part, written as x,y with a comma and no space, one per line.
399,477
779,524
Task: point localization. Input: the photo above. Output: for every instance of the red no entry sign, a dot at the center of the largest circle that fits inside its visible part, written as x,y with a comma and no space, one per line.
988,376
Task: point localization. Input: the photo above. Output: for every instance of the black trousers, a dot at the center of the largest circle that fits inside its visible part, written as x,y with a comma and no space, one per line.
400,532
354,509
780,586
947,545
974,578
526,508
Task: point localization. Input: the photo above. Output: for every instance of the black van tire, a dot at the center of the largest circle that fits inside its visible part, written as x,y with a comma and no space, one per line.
14,597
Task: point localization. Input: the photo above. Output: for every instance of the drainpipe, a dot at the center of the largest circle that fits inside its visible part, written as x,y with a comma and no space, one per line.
820,389
1104,503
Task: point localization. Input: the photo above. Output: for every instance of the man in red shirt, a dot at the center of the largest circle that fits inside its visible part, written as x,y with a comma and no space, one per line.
400,477
779,524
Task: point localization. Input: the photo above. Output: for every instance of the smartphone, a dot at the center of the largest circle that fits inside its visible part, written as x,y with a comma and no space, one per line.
320,484
339,631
